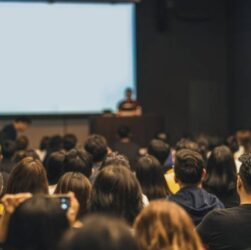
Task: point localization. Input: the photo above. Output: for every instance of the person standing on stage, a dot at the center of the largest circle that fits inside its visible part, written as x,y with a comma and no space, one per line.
129,107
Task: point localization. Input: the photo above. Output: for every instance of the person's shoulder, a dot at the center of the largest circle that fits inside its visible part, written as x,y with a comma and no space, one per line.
221,214
212,198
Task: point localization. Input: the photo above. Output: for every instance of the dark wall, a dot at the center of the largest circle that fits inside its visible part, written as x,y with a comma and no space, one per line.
240,63
182,70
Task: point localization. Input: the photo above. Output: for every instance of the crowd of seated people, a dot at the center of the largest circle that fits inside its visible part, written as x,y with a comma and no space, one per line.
193,195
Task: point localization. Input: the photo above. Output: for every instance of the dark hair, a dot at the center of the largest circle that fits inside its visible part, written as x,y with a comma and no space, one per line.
69,141
124,132
23,119
22,143
55,166
203,145
55,143
101,233
151,178
37,224
78,160
188,166
96,145
8,149
159,149
28,176
79,185
115,159
44,143
221,171
187,144
232,143
21,154
117,192
245,171
163,136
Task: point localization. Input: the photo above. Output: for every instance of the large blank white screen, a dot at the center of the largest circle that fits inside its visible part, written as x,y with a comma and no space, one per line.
64,58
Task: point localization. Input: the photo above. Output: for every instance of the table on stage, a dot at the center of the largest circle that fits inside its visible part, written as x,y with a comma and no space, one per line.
143,127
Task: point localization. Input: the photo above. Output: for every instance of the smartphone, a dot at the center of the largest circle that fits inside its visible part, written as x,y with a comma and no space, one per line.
64,200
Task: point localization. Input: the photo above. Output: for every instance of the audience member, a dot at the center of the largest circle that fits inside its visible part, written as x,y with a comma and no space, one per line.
117,192
161,151
221,177
126,146
8,151
10,131
55,144
22,143
151,178
69,142
97,146
55,169
38,223
165,225
79,185
43,148
101,233
189,172
115,159
185,143
20,155
78,160
28,176
229,229
4,176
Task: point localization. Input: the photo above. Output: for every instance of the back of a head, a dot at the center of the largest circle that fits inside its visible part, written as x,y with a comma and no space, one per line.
79,185
165,225
185,143
159,149
245,171
150,175
78,160
45,142
115,159
55,143
117,192
69,141
188,167
163,136
221,170
36,224
101,233
22,143
55,166
96,145
124,132
21,154
28,175
8,149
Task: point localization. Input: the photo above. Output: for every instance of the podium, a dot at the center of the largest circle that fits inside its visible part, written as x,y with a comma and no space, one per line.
143,127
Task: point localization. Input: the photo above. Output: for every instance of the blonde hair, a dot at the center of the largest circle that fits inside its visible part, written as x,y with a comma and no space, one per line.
163,225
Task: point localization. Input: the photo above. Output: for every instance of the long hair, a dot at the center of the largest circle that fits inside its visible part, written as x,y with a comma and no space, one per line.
150,175
36,224
117,192
163,225
221,171
79,185
28,175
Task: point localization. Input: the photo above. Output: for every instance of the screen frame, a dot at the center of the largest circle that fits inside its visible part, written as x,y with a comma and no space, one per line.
77,115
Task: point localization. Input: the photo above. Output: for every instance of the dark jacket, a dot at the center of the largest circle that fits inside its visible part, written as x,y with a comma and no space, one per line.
196,201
